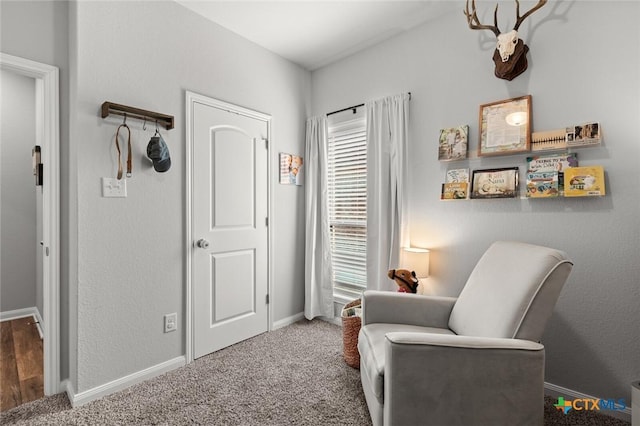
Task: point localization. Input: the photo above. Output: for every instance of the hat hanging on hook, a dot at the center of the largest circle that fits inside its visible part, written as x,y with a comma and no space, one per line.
158,152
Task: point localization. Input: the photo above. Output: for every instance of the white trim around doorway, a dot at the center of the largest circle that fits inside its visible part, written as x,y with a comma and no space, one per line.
48,137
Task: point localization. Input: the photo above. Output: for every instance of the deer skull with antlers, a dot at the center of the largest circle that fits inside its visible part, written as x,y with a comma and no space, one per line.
510,55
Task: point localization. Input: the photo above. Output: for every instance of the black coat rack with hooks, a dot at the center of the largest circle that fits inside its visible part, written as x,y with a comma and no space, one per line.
111,108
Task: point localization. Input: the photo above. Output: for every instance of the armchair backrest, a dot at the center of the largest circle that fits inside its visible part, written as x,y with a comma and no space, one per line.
511,292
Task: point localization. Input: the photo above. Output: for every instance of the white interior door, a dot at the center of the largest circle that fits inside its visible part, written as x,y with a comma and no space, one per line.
229,223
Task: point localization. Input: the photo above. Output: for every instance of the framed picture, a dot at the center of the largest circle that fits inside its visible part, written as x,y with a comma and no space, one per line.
453,143
584,135
495,183
505,127
291,172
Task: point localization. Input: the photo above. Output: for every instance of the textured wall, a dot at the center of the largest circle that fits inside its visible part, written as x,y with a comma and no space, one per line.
39,31
18,228
131,250
576,74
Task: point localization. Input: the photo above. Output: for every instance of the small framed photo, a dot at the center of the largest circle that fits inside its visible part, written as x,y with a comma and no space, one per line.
495,183
291,172
505,127
453,143
584,135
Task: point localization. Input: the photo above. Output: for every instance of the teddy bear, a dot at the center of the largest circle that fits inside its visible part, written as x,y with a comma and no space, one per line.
406,280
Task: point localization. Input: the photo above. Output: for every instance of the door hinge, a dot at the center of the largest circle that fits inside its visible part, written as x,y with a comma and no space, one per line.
266,143
267,299
266,221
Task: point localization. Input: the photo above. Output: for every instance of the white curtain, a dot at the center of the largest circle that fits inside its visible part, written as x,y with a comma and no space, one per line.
318,299
387,181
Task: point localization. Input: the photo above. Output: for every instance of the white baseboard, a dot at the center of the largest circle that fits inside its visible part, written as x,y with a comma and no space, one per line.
297,317
67,387
287,321
24,312
39,323
555,391
19,313
123,382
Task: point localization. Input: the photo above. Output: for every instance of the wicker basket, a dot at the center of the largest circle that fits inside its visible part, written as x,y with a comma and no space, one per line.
350,329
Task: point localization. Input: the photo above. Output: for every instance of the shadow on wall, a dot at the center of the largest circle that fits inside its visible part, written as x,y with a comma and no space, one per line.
562,342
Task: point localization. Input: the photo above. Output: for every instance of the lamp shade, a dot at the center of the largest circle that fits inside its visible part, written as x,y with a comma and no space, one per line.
416,259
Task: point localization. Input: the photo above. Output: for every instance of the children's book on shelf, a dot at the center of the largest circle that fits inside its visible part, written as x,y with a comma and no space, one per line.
587,181
542,184
553,163
453,143
457,175
454,191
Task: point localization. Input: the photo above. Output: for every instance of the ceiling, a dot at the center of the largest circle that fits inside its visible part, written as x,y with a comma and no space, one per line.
316,33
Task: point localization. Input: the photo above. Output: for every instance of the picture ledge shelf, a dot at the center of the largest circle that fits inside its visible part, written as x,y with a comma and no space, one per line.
111,108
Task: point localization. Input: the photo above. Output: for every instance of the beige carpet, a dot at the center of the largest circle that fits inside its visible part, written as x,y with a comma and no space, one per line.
292,376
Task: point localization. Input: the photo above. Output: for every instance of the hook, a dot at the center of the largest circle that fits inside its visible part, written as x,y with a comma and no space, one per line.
144,125
125,119
157,131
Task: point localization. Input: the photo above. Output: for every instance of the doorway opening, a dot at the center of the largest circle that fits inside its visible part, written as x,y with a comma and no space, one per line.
46,79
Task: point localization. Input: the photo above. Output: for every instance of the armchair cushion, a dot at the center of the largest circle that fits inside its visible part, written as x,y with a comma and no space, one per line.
371,344
511,292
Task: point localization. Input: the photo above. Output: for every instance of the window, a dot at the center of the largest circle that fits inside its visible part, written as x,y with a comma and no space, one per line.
347,194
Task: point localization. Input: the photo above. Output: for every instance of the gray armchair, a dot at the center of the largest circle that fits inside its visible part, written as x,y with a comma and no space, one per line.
471,360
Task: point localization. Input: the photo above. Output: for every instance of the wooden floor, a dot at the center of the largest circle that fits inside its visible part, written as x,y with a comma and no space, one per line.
21,365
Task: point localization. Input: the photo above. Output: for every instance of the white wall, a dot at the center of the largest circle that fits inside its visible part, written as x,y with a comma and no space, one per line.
18,192
578,72
131,265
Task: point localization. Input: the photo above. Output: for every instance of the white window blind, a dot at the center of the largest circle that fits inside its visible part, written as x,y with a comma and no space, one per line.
347,185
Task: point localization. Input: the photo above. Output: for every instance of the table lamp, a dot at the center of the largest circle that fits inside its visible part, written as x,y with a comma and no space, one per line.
416,259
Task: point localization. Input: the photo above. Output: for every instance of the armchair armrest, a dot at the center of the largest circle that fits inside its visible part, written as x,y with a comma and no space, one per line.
462,342
404,308
462,380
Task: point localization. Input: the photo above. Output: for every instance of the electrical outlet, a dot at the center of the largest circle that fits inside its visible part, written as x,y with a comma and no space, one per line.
112,187
170,322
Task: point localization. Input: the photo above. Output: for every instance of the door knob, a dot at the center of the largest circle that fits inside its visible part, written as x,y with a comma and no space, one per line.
202,243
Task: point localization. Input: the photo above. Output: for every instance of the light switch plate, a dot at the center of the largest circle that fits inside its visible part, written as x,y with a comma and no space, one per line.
112,187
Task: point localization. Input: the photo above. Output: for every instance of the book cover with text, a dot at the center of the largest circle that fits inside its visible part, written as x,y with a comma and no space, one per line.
584,181
454,191
542,184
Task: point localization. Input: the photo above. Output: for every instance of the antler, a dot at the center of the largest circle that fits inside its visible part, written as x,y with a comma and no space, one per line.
474,22
519,19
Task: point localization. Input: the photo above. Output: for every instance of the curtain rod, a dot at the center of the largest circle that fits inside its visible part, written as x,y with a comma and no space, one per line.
353,108
346,109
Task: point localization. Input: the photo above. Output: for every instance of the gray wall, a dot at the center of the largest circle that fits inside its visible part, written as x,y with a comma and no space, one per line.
159,49
131,250
577,73
123,260
18,276
39,31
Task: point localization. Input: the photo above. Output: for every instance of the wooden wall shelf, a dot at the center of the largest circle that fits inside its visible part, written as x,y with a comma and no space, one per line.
111,108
